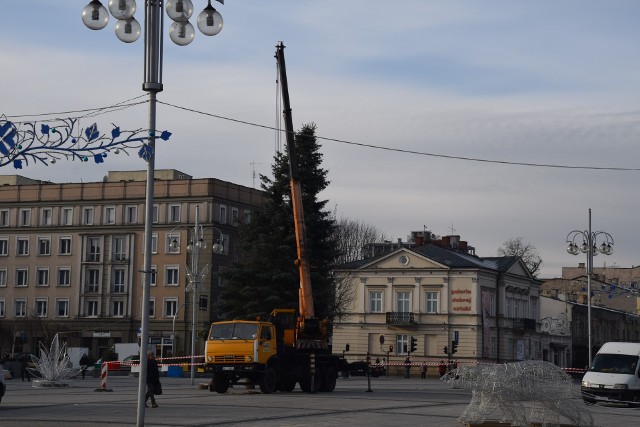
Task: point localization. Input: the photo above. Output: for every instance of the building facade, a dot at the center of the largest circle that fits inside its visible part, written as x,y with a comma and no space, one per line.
71,257
442,295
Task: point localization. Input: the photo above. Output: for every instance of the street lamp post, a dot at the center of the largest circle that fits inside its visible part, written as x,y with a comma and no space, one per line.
590,247
95,16
195,275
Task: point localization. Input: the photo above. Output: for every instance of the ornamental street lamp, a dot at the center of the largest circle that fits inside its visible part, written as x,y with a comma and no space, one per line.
590,247
95,16
195,275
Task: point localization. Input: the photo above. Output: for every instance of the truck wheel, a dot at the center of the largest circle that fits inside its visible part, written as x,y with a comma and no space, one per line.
220,383
268,381
329,376
286,384
305,383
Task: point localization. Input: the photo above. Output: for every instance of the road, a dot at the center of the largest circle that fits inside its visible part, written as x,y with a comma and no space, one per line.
393,401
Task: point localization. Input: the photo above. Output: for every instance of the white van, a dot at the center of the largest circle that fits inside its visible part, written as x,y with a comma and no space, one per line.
613,375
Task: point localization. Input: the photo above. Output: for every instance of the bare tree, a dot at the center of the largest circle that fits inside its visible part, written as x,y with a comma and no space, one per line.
351,236
525,250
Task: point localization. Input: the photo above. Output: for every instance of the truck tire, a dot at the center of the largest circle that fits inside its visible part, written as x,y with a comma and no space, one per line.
286,384
268,381
220,383
329,376
305,383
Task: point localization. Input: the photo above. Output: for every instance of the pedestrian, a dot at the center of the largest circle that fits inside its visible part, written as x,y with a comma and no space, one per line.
24,371
84,364
423,371
153,380
407,367
442,368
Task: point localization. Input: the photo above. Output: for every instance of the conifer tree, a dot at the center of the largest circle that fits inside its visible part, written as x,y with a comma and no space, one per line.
266,278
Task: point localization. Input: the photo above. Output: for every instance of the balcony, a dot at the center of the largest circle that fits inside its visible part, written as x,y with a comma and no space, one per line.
400,318
522,324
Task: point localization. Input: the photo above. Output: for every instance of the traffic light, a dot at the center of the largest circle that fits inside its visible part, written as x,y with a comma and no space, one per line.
454,346
446,350
413,345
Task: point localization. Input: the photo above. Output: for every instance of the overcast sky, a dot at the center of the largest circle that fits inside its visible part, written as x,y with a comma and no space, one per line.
553,82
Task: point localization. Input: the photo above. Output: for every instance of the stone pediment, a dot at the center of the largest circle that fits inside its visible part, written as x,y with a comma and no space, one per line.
403,260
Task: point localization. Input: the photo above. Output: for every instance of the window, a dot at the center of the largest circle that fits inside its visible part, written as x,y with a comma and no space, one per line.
2,307
402,344
64,245
156,214
223,214
20,307
534,309
492,304
203,303
92,280
3,277
109,215
375,301
22,277
152,306
4,246
170,307
118,281
154,243
174,213
403,302
25,217
42,276
246,216
171,275
117,308
224,240
131,213
119,252
170,246
64,276
4,217
22,244
93,249
432,302
235,216
154,275
44,246
91,308
41,307
66,217
62,307
87,216
46,216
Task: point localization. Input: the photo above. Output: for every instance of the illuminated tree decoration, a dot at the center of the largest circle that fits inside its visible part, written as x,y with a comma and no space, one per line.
44,143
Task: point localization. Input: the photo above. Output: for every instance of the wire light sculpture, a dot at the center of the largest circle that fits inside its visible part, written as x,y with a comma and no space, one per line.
54,366
525,393
44,143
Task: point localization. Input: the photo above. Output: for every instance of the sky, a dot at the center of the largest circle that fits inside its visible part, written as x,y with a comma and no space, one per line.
456,95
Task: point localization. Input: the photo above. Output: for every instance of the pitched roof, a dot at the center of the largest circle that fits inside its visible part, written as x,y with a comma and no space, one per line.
449,257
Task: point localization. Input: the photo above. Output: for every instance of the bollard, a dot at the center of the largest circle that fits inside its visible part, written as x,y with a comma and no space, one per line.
369,373
103,377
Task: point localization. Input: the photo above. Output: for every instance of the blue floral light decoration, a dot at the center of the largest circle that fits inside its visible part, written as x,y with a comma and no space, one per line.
22,144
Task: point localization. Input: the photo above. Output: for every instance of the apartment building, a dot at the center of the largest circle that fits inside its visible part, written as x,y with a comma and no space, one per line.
71,256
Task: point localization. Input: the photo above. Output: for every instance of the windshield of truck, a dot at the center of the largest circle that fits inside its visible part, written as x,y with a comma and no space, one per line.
234,331
614,363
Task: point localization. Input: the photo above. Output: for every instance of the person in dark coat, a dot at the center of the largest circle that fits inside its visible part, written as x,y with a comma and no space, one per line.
153,379
84,364
24,361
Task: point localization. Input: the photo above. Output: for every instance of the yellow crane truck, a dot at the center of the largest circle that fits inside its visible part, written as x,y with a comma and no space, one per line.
289,347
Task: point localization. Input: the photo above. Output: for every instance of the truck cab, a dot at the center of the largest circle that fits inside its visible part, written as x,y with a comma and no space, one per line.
614,375
239,349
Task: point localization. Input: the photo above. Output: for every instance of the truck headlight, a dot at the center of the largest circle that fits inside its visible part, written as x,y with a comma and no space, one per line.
209,359
249,359
621,386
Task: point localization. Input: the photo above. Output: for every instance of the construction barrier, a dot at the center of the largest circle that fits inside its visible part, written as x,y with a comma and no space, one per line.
103,377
